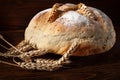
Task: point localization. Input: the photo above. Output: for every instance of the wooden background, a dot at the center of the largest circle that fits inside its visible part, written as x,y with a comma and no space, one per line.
14,18
18,13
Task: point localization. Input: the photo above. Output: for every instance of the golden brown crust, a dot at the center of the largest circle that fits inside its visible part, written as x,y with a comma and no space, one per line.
56,31
86,49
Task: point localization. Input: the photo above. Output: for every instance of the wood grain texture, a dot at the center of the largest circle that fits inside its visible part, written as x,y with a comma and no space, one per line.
14,18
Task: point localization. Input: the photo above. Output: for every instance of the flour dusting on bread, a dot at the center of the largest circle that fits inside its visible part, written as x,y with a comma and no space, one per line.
71,18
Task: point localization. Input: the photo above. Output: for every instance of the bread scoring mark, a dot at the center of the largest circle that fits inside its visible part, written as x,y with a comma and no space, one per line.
54,13
81,8
68,7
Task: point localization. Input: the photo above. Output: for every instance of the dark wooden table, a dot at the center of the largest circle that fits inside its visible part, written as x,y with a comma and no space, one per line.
104,66
15,15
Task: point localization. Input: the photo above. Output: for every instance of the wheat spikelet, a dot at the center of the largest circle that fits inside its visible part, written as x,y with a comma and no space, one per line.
84,10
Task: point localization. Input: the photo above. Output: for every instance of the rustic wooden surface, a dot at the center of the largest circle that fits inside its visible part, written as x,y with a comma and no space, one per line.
104,66
15,16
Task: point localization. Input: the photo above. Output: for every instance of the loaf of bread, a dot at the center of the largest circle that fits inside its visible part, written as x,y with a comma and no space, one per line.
56,28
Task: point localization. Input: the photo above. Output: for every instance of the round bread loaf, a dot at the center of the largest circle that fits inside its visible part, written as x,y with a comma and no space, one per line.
56,28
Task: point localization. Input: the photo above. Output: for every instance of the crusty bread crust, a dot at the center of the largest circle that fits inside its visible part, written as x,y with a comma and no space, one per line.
93,35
